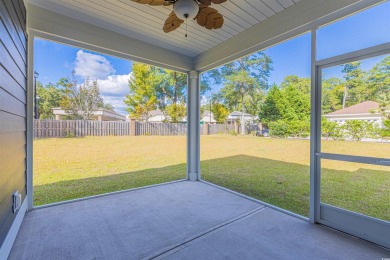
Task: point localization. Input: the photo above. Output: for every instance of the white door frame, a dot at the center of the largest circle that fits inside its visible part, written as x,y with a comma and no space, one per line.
366,227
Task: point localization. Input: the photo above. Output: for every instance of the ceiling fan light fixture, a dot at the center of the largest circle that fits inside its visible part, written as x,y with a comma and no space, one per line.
186,9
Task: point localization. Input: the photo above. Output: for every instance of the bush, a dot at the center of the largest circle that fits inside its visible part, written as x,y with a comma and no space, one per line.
299,128
385,131
233,133
69,134
278,128
359,129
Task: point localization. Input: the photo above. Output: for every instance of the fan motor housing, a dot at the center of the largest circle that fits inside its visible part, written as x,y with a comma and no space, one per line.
186,9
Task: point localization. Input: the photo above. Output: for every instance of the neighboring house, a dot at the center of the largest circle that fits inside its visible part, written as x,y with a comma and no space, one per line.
237,115
363,111
156,116
208,117
99,115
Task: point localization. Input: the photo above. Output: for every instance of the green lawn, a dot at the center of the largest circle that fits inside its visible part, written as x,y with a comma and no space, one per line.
273,170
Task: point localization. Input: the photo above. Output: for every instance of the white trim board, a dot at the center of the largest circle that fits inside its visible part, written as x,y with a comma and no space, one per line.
13,231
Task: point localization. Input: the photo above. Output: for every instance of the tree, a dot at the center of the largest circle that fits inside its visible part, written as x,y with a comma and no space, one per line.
142,97
298,101
354,86
257,65
378,80
50,96
242,81
81,100
243,86
220,112
170,87
108,106
332,94
176,112
274,106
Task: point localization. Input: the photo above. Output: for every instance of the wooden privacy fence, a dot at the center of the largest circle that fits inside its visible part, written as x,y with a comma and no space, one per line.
143,128
79,128
221,129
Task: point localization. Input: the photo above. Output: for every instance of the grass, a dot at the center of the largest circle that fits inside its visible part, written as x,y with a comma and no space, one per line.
272,170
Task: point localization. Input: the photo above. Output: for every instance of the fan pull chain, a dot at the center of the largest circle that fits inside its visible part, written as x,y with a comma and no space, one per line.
186,16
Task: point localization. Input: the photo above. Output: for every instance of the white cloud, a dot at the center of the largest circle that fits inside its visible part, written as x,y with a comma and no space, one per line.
115,85
114,89
117,103
92,66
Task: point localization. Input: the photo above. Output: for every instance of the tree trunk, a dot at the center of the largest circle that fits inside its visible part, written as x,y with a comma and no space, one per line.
345,96
242,117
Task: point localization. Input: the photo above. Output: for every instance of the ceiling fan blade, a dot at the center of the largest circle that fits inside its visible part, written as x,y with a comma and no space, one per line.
217,1
209,17
205,2
153,2
172,23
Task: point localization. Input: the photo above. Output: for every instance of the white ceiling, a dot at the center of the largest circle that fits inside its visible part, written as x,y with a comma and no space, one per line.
145,22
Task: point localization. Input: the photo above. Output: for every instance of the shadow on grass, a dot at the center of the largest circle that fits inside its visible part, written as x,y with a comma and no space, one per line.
283,184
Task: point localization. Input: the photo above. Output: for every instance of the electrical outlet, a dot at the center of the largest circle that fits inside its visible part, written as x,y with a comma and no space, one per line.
16,201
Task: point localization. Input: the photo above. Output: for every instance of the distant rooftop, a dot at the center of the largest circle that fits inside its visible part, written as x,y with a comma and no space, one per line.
362,108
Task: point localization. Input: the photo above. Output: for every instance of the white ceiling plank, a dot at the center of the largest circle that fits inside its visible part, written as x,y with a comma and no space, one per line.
110,25
63,28
135,22
225,30
145,22
114,26
157,13
259,16
274,5
286,3
241,17
261,7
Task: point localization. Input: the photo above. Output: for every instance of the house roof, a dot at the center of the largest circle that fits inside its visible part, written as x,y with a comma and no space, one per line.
362,108
105,113
238,113
156,112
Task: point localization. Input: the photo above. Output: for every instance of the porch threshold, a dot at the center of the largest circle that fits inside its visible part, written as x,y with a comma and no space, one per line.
180,220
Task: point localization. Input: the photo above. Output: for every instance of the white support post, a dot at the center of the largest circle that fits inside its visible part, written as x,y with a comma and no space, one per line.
29,121
193,127
315,133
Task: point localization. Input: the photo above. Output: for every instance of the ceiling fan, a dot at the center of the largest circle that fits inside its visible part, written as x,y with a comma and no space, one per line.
183,10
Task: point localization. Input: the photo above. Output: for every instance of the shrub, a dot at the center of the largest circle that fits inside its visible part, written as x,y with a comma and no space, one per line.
358,129
279,128
233,133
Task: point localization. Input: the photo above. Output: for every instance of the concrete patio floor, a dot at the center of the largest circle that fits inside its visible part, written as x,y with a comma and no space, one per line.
182,220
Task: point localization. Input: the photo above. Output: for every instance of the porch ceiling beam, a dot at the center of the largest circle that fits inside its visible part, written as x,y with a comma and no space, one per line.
57,27
295,20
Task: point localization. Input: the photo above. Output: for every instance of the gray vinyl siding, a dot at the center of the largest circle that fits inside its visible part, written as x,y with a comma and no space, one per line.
13,69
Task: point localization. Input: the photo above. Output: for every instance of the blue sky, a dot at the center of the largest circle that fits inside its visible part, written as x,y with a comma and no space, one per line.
365,29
